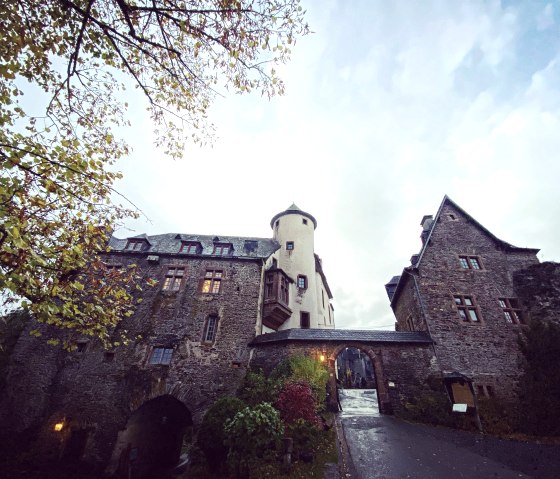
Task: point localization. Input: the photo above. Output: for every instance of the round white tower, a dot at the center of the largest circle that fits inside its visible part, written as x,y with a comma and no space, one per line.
309,298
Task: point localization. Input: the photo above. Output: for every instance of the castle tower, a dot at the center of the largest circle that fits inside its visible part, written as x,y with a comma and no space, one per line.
309,293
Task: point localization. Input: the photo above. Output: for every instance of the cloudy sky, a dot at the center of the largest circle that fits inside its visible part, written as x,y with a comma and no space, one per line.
388,107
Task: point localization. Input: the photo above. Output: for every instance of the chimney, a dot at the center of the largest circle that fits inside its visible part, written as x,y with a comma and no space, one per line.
426,224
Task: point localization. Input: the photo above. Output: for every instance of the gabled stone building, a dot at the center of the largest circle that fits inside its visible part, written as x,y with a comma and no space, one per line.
223,304
460,289
131,407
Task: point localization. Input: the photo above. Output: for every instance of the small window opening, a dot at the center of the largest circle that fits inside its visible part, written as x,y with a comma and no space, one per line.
289,245
211,329
161,355
304,320
304,221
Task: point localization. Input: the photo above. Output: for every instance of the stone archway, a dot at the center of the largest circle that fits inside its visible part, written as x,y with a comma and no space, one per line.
152,439
381,384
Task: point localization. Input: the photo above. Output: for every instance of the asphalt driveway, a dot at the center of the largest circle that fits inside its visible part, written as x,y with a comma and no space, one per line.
383,447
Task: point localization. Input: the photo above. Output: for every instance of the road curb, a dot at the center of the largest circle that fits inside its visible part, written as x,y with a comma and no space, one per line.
345,467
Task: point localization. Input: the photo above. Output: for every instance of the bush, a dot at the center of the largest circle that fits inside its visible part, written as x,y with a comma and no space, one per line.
296,401
497,418
303,368
305,436
257,388
211,436
539,385
429,403
251,433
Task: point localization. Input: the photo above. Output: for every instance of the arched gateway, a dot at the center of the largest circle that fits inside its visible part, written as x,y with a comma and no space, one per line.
400,359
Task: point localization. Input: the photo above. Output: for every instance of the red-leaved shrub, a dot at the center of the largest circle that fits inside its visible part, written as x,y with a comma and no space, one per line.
296,401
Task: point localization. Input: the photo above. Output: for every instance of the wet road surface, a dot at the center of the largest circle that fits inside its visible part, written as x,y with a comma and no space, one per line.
383,447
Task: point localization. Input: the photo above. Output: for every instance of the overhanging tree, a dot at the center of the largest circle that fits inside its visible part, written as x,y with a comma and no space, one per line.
56,178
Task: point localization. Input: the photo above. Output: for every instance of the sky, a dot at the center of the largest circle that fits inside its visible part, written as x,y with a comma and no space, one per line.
389,106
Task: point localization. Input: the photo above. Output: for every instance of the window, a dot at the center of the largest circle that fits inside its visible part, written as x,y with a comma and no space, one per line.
81,346
323,298
409,323
484,390
302,281
221,249
161,355
190,247
135,245
289,245
304,221
211,329
511,309
469,262
467,308
109,356
173,278
304,320
277,287
212,281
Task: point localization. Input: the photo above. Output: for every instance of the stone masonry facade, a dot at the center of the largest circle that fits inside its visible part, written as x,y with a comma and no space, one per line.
195,334
99,390
462,266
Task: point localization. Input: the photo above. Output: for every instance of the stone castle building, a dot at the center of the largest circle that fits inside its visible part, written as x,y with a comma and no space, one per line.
461,288
223,304
214,295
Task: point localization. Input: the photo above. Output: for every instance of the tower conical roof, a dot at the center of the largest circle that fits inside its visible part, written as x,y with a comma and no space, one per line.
293,210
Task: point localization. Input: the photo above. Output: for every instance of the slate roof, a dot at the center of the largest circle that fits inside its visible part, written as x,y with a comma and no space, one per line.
446,200
504,244
355,335
170,243
294,210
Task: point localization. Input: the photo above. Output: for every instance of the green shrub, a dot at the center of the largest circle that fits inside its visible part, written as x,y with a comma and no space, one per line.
257,388
539,385
250,434
303,368
497,418
305,436
429,403
211,436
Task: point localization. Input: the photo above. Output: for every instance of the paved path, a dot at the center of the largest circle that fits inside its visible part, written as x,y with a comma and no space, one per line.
383,447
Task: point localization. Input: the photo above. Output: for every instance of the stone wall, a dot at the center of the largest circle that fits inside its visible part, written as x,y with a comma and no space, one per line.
93,390
486,350
408,310
400,368
538,289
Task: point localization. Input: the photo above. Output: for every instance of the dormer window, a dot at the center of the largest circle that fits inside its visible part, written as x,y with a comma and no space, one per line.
191,247
135,245
222,249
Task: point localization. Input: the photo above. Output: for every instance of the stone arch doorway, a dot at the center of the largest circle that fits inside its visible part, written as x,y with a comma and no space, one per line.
354,369
152,439
379,382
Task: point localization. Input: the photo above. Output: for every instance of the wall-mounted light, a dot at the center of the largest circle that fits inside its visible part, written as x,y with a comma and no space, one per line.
322,358
58,426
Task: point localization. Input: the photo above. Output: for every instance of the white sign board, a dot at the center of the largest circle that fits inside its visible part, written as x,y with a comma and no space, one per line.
459,408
